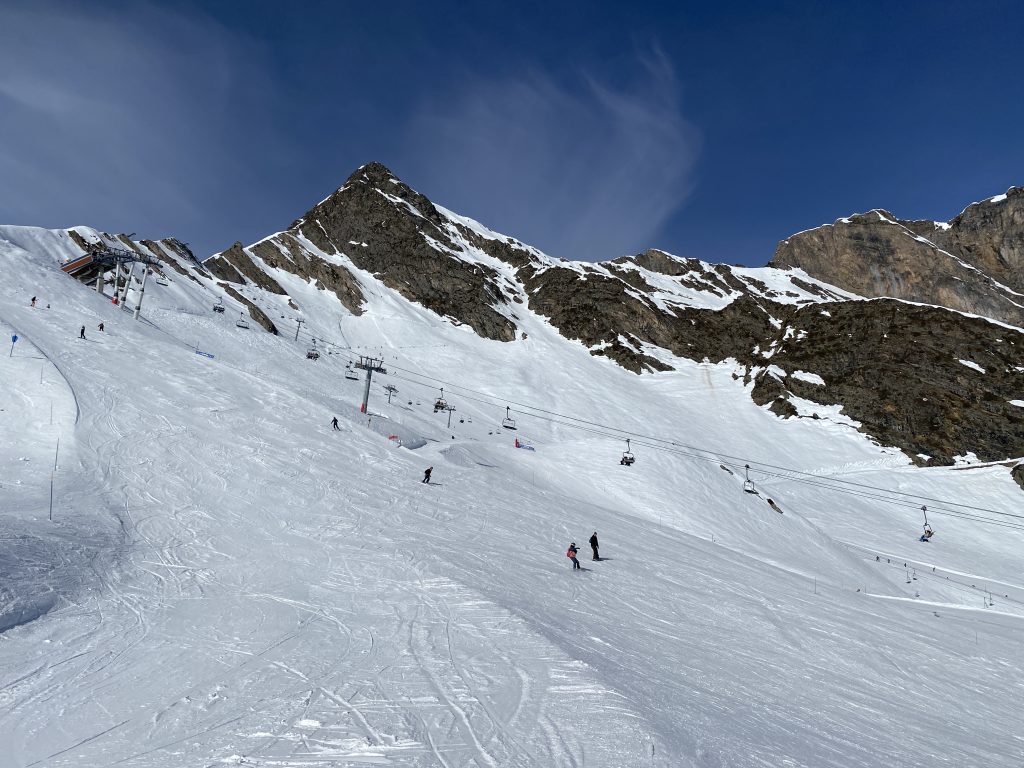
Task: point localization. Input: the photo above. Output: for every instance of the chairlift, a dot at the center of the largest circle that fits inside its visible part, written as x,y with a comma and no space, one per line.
508,422
219,306
440,404
748,484
350,372
160,279
927,529
627,458
312,353
242,323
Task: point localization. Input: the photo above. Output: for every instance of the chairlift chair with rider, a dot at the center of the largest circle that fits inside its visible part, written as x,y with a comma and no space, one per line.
928,532
440,404
312,353
219,307
627,457
508,422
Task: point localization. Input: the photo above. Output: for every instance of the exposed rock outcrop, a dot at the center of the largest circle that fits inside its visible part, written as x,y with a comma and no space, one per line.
972,264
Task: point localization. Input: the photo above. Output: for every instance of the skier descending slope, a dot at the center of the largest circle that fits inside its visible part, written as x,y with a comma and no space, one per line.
571,554
426,475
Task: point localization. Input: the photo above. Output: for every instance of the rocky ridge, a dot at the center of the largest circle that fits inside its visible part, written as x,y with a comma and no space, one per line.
974,263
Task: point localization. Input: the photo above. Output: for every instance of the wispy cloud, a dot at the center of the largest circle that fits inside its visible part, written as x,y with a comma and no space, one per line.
119,119
582,169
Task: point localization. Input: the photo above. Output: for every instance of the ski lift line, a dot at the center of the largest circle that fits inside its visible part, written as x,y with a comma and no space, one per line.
812,480
703,454
715,455
877,494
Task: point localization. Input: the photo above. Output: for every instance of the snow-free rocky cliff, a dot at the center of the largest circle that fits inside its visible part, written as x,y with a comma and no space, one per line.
892,365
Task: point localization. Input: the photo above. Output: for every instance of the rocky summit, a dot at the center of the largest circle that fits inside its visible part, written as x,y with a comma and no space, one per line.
835,322
974,263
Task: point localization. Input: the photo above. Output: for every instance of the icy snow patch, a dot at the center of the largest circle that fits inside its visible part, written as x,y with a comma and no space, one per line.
1018,403
971,364
810,378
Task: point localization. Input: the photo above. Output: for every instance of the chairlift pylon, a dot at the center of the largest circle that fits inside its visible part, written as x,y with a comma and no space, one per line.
242,322
627,457
508,422
440,404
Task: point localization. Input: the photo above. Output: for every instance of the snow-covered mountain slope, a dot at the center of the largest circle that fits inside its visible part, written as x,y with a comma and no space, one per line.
227,580
646,312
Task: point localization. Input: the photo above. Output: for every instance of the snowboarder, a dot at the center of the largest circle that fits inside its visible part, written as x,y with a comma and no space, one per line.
33,301
81,333
100,326
593,545
334,423
426,474
571,554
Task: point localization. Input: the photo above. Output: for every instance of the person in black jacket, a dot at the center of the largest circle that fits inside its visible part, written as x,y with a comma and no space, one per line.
426,475
593,545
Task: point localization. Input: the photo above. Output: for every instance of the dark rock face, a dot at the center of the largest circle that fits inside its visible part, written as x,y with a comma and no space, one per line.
398,235
973,264
897,369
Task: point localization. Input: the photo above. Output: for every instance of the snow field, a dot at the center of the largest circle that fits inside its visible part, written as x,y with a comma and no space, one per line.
259,589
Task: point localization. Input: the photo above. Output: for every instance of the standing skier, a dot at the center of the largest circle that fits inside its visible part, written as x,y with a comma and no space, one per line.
593,545
571,554
81,333
100,327
334,423
426,475
33,301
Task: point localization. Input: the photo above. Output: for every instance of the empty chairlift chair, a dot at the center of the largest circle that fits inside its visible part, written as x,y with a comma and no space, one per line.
242,322
350,372
508,422
627,457
748,484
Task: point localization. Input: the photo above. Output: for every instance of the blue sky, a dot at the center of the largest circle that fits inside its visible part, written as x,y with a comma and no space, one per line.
590,130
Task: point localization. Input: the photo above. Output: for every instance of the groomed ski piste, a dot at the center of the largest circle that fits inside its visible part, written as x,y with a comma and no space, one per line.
226,580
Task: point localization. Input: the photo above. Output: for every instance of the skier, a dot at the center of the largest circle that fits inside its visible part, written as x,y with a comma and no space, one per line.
426,474
81,333
928,533
593,545
334,423
100,326
33,301
571,554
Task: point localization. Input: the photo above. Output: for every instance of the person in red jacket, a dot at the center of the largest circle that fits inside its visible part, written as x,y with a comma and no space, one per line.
571,554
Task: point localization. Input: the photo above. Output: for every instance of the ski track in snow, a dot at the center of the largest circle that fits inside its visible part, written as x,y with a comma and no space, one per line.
229,581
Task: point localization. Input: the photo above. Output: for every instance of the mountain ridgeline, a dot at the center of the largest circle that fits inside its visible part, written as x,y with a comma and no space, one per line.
892,320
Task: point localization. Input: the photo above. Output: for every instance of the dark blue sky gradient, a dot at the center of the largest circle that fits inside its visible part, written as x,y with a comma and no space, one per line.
589,130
